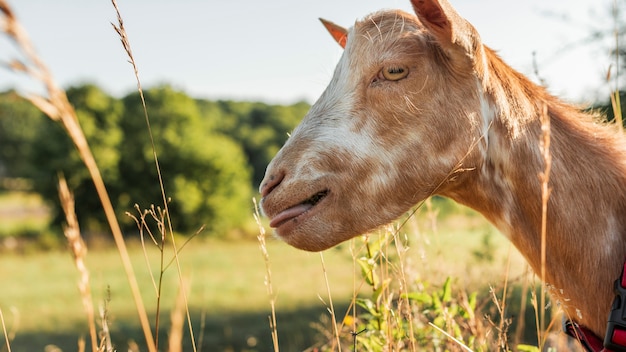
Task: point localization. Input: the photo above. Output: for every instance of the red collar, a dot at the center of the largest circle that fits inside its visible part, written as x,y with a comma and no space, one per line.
590,341
615,339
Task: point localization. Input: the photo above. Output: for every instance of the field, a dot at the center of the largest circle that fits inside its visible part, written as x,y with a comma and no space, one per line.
226,285
227,297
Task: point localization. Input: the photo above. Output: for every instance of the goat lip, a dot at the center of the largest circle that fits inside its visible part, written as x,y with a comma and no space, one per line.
289,214
294,212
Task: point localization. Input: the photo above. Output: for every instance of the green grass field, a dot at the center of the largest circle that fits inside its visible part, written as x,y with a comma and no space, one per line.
227,296
226,284
21,213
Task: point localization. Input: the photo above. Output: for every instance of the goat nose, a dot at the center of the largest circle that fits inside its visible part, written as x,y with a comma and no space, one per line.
270,182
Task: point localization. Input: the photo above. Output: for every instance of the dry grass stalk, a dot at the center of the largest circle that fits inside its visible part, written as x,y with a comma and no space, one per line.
58,108
521,321
401,251
202,326
268,276
158,215
159,238
4,330
459,343
331,307
167,223
81,344
144,228
504,322
79,252
123,35
177,316
617,110
105,335
615,98
545,195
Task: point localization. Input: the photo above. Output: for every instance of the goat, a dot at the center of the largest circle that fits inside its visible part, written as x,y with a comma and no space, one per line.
418,106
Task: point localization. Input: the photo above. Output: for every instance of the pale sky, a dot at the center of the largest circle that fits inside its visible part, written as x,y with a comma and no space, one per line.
277,51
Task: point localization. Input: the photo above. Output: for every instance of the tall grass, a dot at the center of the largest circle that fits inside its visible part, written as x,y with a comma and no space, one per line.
544,177
163,220
396,306
79,252
616,104
268,277
57,107
7,339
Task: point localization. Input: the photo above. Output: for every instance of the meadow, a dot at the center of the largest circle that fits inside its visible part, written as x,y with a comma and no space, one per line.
227,296
42,304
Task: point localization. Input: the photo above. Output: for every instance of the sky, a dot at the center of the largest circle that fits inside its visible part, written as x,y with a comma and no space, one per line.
277,51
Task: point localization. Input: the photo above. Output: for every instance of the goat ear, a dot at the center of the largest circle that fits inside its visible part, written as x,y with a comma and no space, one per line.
450,29
339,33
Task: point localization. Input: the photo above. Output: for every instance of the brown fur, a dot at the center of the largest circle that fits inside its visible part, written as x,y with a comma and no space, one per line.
464,125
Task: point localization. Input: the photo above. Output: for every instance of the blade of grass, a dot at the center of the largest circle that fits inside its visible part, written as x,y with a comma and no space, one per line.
4,330
121,31
79,252
268,276
545,195
401,251
461,345
331,307
615,98
58,108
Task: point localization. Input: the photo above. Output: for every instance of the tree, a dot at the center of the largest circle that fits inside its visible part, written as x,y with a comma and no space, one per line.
53,153
19,121
204,172
208,154
260,129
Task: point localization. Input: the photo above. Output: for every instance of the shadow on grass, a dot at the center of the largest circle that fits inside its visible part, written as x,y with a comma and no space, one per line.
221,332
224,331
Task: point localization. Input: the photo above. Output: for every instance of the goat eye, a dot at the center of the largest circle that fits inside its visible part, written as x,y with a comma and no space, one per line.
395,73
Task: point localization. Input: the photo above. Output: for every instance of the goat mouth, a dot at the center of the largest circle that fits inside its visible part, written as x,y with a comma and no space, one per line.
292,213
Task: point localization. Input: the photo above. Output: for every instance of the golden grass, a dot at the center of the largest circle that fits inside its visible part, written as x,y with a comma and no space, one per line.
163,220
544,177
4,330
79,251
268,277
58,108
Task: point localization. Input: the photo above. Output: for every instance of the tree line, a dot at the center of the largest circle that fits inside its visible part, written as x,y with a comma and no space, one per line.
212,154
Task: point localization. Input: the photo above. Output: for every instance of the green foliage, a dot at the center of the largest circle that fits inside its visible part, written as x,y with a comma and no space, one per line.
204,172
260,129
485,253
417,318
211,154
54,153
18,125
399,315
